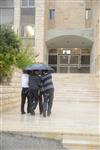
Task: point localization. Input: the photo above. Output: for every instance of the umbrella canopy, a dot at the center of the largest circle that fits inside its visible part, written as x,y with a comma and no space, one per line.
41,67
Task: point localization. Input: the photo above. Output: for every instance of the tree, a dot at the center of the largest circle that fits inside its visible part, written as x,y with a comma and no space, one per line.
12,52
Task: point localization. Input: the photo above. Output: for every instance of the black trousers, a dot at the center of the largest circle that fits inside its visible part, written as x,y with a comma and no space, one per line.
24,95
33,99
48,100
40,99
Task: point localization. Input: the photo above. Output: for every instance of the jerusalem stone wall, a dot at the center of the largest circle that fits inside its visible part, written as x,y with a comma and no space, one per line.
69,14
10,92
95,59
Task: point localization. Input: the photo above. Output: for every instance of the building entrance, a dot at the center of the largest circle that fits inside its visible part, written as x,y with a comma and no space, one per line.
69,61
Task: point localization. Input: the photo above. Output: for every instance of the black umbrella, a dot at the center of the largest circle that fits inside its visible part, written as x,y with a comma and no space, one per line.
41,67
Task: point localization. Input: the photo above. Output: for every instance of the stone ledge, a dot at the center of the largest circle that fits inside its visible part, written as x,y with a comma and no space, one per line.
8,106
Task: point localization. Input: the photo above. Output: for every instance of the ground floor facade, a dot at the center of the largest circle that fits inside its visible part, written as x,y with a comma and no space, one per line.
73,60
67,51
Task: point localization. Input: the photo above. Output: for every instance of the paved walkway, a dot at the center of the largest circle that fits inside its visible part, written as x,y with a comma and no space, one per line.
67,117
18,142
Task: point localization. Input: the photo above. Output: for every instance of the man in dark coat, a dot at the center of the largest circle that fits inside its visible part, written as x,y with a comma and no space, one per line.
34,88
48,93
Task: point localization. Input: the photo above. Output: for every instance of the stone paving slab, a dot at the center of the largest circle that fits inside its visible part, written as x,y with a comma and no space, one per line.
66,118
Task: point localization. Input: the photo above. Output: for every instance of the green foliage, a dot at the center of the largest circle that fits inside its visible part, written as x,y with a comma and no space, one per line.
25,57
12,52
9,47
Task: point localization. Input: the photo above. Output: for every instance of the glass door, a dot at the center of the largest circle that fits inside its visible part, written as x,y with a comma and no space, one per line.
68,63
69,60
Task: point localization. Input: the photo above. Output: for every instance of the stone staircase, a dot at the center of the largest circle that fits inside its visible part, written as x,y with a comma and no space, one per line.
79,88
75,87
75,115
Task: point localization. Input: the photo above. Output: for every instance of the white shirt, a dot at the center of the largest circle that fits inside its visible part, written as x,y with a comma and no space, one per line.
25,80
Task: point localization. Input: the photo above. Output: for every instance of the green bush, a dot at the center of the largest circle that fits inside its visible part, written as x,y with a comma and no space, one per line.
25,57
12,52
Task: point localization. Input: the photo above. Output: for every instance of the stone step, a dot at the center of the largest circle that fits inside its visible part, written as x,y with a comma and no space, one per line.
76,93
73,97
82,83
90,94
77,87
84,90
76,100
81,141
74,80
9,106
73,75
74,83
81,145
76,96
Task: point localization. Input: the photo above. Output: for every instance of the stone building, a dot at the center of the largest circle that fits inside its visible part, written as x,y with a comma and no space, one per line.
65,34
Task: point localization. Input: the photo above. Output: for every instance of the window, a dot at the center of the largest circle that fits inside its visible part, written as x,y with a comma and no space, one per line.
88,13
52,59
27,22
6,3
27,3
27,31
6,16
85,59
51,14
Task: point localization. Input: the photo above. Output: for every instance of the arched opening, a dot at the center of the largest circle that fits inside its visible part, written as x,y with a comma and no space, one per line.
69,54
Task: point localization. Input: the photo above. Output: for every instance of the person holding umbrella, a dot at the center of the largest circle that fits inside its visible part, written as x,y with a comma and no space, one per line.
25,92
48,93
35,86
34,89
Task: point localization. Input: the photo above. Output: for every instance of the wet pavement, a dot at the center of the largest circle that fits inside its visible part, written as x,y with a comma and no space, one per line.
10,141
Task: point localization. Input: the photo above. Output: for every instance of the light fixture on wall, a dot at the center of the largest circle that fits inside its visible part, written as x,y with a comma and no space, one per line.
67,51
61,48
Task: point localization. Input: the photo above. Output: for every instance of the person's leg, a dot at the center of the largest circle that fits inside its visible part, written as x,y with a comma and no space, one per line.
50,102
45,103
40,103
23,99
35,91
28,105
31,101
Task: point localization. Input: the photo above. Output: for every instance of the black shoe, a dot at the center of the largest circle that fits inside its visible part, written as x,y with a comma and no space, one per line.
48,113
41,112
44,113
23,113
33,113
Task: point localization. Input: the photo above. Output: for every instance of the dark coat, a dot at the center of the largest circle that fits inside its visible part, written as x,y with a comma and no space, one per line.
34,82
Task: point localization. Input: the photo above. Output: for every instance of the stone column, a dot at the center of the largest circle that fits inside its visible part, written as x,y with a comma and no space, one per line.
40,29
17,9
